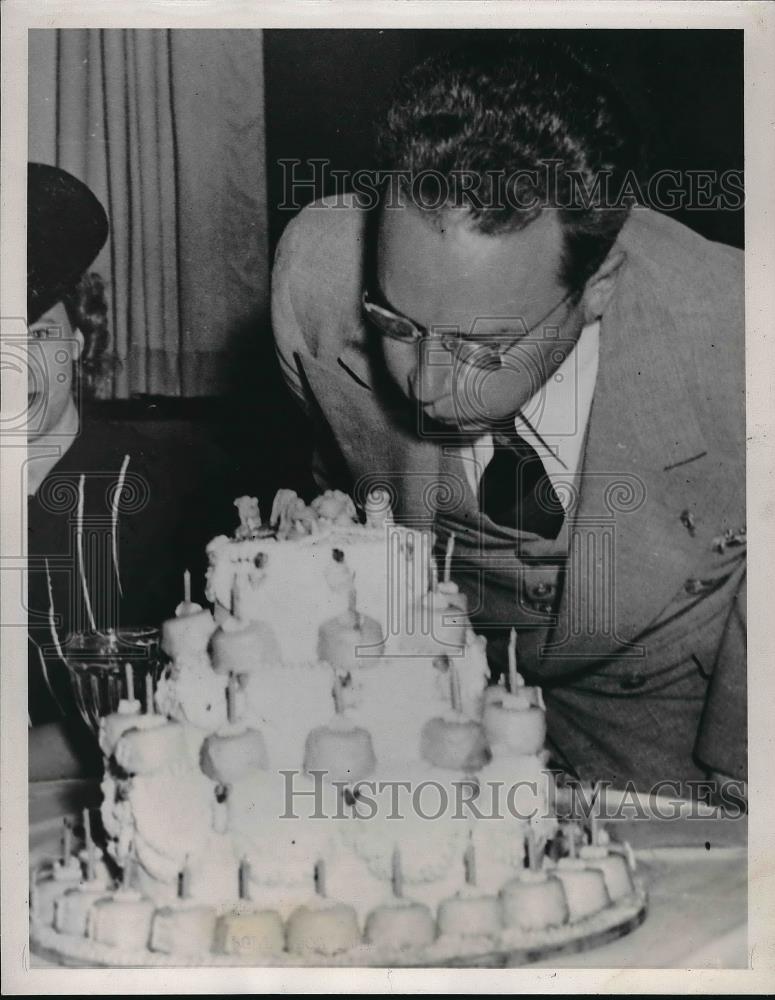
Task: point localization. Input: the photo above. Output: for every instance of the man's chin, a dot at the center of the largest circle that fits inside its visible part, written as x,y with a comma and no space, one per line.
442,421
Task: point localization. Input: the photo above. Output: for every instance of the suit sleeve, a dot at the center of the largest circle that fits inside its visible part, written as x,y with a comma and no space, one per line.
722,739
327,465
288,336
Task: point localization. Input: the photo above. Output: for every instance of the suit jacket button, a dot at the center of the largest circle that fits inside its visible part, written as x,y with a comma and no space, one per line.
540,594
632,682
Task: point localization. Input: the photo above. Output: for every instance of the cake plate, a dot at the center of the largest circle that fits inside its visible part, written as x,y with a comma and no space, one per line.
511,948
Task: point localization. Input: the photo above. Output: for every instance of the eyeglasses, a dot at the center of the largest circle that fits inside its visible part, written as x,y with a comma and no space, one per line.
398,327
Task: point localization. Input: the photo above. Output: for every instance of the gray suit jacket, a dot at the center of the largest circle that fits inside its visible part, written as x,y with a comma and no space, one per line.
642,655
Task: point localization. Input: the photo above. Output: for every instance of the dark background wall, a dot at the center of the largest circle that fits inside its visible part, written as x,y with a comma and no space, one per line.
325,89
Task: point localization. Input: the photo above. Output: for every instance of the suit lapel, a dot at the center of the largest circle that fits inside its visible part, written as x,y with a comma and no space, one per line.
645,464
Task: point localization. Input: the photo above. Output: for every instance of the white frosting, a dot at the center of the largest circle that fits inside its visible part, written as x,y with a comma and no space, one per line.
323,927
168,808
295,592
172,817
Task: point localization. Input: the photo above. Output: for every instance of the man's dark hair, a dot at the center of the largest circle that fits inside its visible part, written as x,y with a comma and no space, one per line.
533,128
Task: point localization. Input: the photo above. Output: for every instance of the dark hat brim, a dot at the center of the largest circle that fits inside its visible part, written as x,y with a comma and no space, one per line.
66,229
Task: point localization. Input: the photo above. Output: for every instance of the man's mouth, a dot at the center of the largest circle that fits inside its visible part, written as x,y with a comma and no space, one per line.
444,411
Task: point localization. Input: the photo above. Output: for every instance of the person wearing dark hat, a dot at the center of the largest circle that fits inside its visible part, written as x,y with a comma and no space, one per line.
114,515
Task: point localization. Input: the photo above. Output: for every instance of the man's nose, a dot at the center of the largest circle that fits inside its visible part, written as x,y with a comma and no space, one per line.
432,377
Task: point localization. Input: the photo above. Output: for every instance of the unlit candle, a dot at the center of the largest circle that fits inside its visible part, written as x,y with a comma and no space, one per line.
513,675
130,681
397,874
448,558
91,861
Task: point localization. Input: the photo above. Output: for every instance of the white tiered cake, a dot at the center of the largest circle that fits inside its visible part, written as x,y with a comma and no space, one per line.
319,770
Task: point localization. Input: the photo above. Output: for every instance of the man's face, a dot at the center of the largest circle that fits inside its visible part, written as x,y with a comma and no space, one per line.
490,290
53,347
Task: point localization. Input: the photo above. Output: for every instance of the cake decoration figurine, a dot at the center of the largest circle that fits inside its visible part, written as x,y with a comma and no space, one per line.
340,749
400,923
535,899
246,930
323,926
454,742
334,508
470,911
249,517
291,517
183,927
150,707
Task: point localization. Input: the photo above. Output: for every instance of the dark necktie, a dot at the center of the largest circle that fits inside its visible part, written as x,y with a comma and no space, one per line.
516,492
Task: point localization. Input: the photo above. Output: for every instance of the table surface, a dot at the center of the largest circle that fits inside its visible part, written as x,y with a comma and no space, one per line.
695,871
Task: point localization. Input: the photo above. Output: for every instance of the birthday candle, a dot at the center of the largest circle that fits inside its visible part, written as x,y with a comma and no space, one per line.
129,870
130,681
448,558
91,863
183,881
231,698
454,680
397,874
320,877
187,586
244,879
513,675
149,706
338,695
532,850
469,861
67,842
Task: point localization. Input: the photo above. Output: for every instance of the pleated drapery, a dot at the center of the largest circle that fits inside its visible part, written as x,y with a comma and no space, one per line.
167,128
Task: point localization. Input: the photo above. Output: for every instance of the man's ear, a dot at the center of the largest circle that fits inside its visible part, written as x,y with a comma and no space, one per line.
600,287
81,341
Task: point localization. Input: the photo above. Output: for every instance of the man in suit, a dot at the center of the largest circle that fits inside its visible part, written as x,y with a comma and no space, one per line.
558,380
